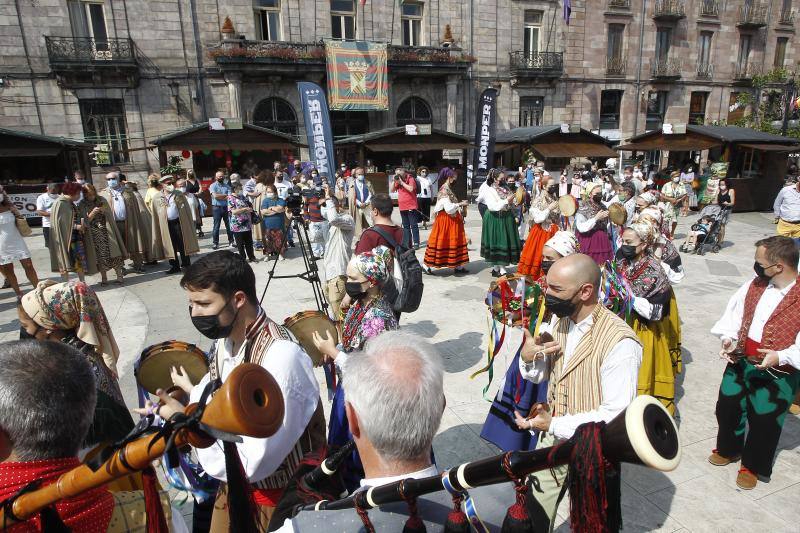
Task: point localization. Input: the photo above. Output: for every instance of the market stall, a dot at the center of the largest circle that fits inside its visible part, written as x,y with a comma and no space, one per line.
757,161
29,161
556,145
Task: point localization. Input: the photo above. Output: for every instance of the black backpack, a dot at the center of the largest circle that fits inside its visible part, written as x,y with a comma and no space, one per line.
409,296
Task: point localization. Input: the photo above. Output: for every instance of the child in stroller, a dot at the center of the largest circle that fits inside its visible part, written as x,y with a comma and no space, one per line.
698,234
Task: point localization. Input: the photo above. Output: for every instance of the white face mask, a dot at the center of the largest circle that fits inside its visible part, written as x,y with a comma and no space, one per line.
182,189
270,195
360,177
169,188
676,179
607,186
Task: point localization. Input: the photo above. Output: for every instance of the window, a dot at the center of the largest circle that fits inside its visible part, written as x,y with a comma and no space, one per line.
780,51
412,23
616,33
343,19
744,52
533,31
704,56
697,107
609,109
89,22
663,43
268,19
735,109
414,111
104,123
656,107
276,114
531,109
345,123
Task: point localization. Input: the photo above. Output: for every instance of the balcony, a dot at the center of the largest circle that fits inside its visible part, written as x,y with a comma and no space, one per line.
669,11
616,67
745,73
84,62
619,4
267,58
786,17
705,71
666,69
544,65
751,17
709,8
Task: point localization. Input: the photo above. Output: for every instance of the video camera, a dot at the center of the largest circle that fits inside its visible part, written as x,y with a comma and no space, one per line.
294,200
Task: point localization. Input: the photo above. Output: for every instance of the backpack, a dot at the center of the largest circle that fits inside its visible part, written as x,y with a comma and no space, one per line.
405,294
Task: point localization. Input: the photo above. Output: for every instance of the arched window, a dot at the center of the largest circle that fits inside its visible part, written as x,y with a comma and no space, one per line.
414,110
346,123
276,114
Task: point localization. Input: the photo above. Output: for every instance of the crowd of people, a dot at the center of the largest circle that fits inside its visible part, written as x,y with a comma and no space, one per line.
588,350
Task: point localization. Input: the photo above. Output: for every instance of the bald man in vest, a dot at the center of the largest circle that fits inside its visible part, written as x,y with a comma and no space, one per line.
760,334
591,359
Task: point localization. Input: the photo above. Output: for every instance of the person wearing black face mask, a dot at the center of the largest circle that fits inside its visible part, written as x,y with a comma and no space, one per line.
591,222
545,215
223,305
369,315
759,332
602,354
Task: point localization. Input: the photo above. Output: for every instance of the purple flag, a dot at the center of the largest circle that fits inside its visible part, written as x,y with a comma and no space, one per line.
567,10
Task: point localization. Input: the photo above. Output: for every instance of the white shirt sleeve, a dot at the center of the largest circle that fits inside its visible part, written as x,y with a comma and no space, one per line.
619,376
343,221
673,276
294,373
791,355
584,224
776,207
728,325
493,201
538,215
445,204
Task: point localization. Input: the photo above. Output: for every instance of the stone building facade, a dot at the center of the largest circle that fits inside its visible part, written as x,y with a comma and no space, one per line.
122,72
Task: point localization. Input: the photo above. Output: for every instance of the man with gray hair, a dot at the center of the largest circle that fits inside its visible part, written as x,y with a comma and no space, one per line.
44,204
394,403
47,401
133,225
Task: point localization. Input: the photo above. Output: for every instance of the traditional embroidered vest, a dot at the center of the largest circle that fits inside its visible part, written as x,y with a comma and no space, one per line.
575,388
261,335
782,327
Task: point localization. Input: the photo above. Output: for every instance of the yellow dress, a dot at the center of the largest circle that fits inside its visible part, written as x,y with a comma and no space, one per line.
656,374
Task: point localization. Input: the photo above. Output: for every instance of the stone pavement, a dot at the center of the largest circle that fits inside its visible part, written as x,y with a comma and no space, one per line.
151,308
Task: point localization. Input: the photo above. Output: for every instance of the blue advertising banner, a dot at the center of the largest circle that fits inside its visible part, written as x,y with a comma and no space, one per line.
318,129
485,128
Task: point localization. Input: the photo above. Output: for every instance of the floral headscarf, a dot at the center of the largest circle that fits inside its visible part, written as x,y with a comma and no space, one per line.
645,230
73,306
563,242
375,264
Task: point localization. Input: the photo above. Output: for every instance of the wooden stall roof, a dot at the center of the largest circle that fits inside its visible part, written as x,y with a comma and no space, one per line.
548,141
250,137
770,147
25,144
396,140
705,137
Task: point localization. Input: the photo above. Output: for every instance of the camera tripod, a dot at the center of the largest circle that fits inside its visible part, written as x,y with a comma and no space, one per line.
311,273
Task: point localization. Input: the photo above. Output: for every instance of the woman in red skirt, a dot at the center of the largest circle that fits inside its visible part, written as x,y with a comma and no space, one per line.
447,244
544,213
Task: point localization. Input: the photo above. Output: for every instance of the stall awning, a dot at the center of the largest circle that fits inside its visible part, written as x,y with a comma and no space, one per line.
704,137
573,149
15,143
671,143
770,147
250,137
396,140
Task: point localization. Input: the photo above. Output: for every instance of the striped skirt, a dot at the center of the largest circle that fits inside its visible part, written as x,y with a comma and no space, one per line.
447,244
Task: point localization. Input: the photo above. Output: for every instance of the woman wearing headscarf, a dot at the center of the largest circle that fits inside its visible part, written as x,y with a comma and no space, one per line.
500,244
70,312
109,248
71,242
369,315
544,215
515,393
447,243
651,297
591,225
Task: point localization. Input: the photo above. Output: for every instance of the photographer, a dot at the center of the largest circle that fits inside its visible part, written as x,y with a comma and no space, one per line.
405,186
317,225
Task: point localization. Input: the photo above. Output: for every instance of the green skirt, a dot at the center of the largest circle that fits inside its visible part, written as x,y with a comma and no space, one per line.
500,244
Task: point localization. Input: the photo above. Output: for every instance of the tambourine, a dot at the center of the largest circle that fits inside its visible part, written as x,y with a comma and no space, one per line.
303,324
617,214
152,370
568,205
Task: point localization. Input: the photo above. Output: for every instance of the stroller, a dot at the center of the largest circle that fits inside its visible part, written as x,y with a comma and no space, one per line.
706,231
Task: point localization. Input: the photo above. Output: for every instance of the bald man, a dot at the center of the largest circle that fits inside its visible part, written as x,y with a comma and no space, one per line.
591,358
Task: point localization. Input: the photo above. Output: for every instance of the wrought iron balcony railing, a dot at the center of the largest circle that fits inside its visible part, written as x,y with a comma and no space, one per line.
666,68
619,4
786,17
746,72
752,16
705,70
669,10
537,63
87,50
616,66
709,8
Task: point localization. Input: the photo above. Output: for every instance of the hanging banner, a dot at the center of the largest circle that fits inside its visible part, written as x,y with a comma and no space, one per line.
318,129
485,127
357,75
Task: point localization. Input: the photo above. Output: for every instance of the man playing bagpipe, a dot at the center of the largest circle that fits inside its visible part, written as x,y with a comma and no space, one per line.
591,358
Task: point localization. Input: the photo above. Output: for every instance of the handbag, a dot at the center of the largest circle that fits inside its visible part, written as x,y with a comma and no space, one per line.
23,227
255,216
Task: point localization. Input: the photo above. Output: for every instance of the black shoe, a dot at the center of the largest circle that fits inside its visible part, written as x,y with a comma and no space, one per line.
151,263
428,270
496,273
201,234
214,246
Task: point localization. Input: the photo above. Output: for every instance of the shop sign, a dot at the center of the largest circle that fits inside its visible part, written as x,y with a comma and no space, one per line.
418,129
219,124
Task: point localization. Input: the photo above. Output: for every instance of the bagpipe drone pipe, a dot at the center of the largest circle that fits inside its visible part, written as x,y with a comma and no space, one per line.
644,433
